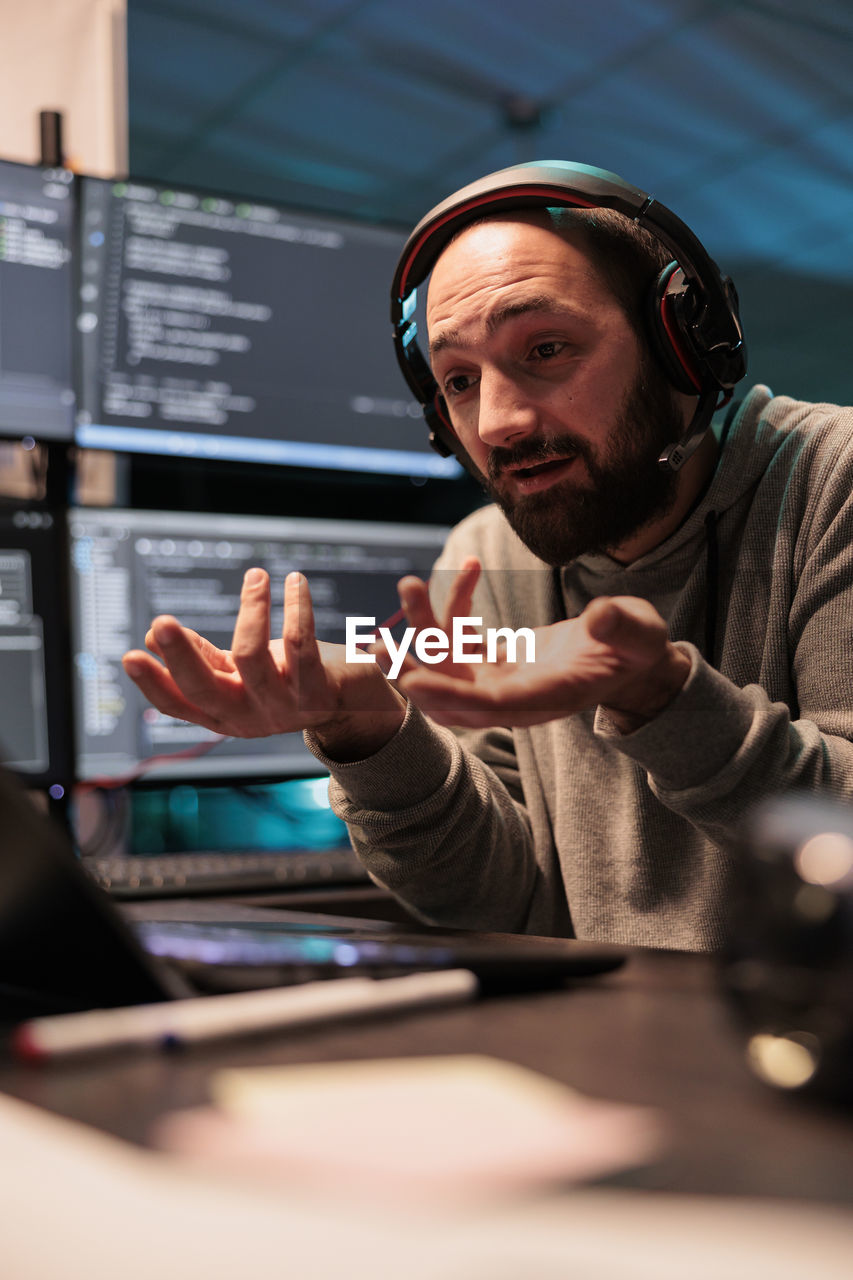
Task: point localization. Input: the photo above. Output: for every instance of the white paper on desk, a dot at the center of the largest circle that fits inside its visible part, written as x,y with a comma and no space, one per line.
78,1205
456,1129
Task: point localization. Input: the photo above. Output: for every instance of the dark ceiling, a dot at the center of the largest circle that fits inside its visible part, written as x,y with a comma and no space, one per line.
738,114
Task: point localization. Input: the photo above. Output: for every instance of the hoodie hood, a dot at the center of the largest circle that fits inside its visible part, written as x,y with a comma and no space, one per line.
743,459
748,445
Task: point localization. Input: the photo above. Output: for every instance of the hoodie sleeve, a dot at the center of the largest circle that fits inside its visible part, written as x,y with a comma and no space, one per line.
718,749
442,826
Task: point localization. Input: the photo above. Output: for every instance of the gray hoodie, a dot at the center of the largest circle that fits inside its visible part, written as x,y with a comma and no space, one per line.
573,829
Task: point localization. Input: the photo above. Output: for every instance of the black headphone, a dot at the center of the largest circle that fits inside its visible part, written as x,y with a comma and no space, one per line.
695,330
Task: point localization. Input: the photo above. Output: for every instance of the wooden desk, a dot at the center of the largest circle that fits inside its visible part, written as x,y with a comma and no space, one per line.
655,1033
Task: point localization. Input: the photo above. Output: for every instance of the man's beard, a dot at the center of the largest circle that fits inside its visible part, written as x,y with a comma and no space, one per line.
626,490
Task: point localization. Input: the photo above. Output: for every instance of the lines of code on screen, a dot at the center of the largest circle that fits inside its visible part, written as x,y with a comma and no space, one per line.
222,328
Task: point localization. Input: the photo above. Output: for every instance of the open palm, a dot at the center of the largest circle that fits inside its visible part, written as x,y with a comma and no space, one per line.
616,653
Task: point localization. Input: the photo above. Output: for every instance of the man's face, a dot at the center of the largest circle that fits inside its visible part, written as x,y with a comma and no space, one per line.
547,389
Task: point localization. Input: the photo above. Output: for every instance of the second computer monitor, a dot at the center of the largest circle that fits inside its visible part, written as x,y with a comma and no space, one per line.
219,328
128,566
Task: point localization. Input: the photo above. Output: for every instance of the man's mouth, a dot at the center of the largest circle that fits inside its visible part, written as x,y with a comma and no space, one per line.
538,475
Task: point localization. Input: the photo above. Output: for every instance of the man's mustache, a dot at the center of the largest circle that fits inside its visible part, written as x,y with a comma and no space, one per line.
532,453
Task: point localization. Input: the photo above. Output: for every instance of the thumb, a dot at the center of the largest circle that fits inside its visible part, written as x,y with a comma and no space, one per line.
627,624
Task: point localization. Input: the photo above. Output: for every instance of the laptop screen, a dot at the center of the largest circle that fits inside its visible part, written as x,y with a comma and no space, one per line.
63,946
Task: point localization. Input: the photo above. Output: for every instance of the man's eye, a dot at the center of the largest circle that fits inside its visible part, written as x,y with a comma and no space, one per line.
547,350
455,385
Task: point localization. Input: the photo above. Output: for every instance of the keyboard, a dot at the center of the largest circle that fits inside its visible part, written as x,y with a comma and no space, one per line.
184,874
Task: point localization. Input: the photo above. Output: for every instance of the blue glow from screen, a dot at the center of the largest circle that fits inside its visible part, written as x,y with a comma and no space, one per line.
294,453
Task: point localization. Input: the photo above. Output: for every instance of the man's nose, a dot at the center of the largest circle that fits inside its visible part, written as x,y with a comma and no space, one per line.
506,414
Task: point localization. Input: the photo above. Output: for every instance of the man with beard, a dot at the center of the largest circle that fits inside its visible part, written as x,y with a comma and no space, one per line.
692,625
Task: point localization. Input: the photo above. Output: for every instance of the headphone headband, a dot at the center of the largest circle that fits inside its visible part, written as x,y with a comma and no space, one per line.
708,348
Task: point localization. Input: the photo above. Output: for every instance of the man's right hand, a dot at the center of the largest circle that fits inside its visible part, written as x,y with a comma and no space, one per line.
261,687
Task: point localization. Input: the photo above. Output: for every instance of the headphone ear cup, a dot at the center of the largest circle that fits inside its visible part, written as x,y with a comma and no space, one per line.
669,311
442,437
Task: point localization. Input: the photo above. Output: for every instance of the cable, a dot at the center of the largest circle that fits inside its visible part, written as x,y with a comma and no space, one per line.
123,780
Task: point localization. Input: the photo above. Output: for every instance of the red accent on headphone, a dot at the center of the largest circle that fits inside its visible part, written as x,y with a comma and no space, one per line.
684,358
439,405
491,198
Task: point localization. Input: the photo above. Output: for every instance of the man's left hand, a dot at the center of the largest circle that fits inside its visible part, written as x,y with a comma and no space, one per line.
616,655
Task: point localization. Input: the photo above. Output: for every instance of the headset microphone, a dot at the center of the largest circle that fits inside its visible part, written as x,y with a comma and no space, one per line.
695,330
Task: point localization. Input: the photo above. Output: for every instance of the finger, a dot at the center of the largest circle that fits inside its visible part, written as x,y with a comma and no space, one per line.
458,605
414,597
250,647
629,625
219,659
151,643
157,685
461,592
193,674
302,659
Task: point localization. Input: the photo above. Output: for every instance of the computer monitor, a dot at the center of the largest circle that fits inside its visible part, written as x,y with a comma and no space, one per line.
36,302
219,328
35,731
128,566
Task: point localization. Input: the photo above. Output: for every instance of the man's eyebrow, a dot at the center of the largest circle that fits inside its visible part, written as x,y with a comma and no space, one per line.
540,302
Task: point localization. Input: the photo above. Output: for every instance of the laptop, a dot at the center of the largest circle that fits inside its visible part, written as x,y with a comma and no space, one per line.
65,946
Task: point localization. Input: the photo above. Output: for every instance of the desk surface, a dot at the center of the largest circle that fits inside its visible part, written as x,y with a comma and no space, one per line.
656,1032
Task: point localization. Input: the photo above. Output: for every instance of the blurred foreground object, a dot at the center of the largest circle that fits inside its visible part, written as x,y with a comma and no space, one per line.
788,967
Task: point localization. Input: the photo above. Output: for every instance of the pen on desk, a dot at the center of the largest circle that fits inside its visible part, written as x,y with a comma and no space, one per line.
179,1022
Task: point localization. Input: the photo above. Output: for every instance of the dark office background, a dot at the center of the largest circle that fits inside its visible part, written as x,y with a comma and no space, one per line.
736,113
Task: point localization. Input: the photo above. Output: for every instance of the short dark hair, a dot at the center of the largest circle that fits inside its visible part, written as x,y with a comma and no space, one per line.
628,257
